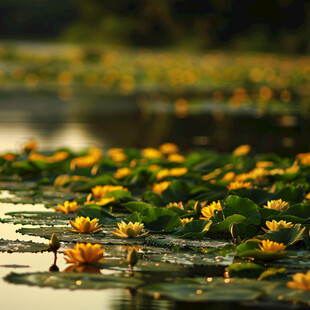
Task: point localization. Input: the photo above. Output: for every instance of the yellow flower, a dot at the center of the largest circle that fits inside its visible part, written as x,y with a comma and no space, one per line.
84,254
229,176
175,204
277,205
162,174
264,164
168,148
121,173
105,201
304,158
114,151
30,146
36,156
99,191
160,187
235,185
300,281
61,180
209,210
119,157
276,171
177,172
8,156
67,207
85,225
93,156
176,158
274,225
308,196
270,246
186,220
293,169
130,230
151,153
242,150
58,156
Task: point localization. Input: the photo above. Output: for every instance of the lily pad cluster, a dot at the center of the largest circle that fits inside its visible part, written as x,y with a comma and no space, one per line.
202,211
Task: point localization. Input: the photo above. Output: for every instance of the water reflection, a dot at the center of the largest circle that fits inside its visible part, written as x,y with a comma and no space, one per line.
136,121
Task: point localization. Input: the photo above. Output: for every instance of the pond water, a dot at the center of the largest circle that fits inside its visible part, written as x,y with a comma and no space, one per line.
91,118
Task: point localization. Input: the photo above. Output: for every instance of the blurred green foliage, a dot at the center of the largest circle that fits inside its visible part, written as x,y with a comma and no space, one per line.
265,25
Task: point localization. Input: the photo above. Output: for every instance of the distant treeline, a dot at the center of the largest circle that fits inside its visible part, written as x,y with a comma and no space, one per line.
263,25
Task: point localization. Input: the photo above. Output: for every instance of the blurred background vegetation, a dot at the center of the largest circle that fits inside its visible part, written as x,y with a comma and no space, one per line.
137,73
265,25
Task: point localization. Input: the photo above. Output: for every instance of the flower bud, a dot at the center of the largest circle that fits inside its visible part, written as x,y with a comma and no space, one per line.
54,243
132,257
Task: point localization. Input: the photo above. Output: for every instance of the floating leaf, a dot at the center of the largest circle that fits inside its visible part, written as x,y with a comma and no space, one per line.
74,281
194,229
242,206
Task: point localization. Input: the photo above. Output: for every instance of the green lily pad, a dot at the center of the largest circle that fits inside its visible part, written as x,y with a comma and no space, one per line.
195,229
74,281
288,236
21,246
64,235
245,270
38,218
217,290
243,206
169,241
251,249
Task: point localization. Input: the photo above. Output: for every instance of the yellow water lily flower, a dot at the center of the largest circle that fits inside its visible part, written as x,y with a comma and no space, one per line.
119,157
186,220
90,159
101,202
308,196
85,225
176,204
210,210
271,246
84,254
121,173
130,230
151,153
177,172
8,156
162,174
67,207
274,225
301,281
176,158
264,164
242,150
99,191
30,146
277,205
168,148
236,185
61,180
229,176
114,151
160,187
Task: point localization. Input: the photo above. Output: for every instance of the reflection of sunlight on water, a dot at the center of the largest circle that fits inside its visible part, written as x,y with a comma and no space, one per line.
33,297
73,135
